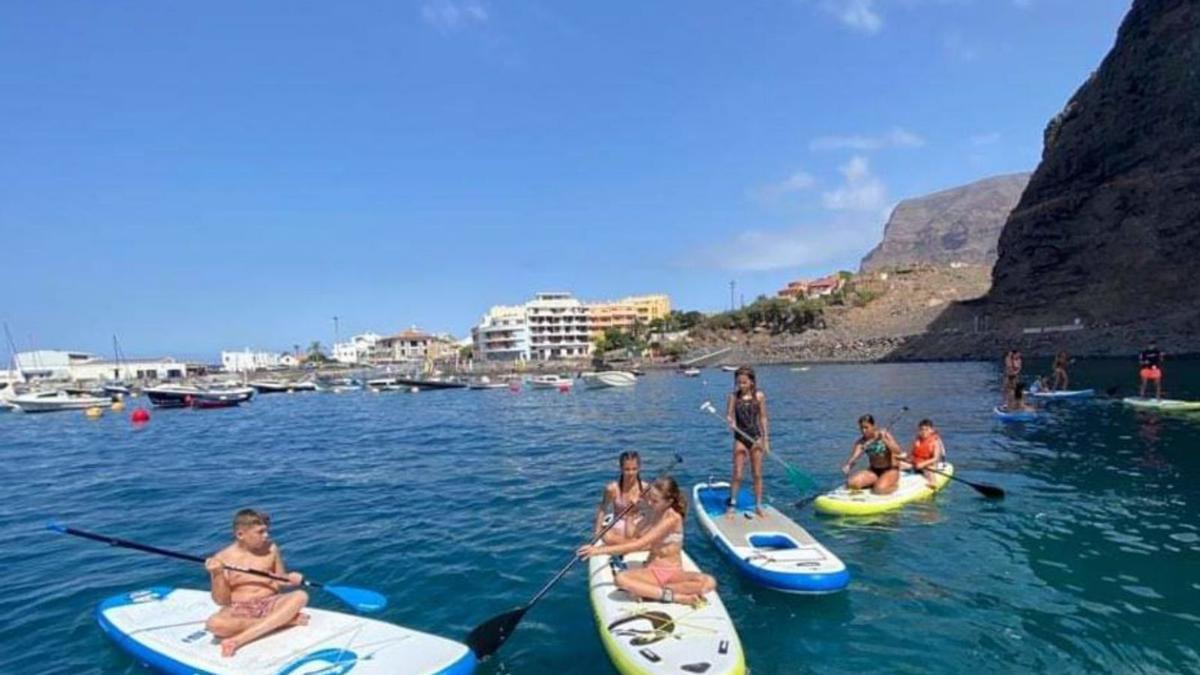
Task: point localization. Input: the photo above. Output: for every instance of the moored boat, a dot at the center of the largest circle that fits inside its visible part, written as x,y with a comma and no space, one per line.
52,401
609,378
690,372
551,382
282,386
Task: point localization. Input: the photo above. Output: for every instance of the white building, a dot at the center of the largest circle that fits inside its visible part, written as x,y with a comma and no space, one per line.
46,364
358,350
502,335
247,361
559,327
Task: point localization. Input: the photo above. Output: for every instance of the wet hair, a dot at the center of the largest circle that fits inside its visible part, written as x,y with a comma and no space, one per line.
669,489
925,423
626,456
250,518
748,372
866,418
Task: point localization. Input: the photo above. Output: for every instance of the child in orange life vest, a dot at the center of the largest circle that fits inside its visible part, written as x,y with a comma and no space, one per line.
927,451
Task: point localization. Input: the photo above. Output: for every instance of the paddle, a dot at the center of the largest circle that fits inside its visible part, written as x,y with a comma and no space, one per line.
490,635
361,599
989,491
799,479
813,497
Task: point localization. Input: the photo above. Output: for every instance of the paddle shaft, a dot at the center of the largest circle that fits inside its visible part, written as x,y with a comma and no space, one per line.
124,543
986,490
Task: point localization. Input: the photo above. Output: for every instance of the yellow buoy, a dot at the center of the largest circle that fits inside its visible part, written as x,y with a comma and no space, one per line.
118,405
93,412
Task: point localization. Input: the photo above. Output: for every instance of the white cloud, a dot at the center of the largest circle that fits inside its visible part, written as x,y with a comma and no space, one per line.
761,250
451,15
980,140
858,15
896,138
861,190
773,192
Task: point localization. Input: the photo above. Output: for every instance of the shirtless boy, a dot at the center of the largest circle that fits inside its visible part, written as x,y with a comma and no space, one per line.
251,606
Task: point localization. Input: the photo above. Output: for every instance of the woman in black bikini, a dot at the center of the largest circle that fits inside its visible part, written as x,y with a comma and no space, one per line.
746,412
883,453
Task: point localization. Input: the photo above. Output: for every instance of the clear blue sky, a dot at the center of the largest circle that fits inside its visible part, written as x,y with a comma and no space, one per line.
194,176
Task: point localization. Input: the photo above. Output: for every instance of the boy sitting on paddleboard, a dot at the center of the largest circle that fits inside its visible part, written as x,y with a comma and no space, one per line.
927,451
251,606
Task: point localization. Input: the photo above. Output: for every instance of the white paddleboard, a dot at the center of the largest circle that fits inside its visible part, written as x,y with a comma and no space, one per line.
163,628
1065,393
1164,404
772,549
644,636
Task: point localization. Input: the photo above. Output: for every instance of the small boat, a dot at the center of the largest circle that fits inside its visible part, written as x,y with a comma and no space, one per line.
422,385
171,395
53,401
551,382
188,395
729,369
486,382
84,390
690,372
380,384
282,386
771,550
117,388
609,378
164,628
799,369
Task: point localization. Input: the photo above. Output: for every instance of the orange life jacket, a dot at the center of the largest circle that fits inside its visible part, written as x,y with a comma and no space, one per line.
923,450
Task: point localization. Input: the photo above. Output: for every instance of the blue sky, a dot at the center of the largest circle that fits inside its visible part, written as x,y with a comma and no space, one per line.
193,176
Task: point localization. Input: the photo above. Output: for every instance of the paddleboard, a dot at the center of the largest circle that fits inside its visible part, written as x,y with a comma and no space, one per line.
163,628
1015,415
1163,404
644,636
1065,393
771,550
846,502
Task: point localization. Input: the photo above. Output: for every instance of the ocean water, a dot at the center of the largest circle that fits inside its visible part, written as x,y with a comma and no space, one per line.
460,504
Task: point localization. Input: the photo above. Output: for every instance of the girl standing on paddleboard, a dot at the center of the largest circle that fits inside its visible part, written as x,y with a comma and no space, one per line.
662,577
883,453
746,412
620,495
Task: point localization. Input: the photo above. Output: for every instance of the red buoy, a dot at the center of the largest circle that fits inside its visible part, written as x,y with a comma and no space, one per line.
139,416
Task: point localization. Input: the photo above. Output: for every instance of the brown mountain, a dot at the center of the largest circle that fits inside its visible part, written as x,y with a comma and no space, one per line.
961,224
1108,229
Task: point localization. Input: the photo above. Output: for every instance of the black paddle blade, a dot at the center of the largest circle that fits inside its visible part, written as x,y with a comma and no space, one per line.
806,501
989,491
490,635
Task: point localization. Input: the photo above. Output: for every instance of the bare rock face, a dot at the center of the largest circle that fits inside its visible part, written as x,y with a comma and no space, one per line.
1108,229
961,224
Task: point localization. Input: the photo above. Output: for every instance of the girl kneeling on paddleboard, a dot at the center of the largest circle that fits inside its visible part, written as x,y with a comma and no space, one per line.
883,459
662,577
620,494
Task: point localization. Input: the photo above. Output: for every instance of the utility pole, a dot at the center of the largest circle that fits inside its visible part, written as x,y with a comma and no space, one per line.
336,337
732,285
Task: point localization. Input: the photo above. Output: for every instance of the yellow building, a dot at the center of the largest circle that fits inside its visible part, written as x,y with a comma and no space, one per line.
622,314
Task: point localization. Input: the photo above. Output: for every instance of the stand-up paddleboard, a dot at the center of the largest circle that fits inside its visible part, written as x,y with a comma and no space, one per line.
846,502
1162,404
1014,415
1065,393
771,550
163,628
644,636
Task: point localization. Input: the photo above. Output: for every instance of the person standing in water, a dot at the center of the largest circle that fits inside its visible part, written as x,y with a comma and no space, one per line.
1060,371
1151,360
620,495
746,412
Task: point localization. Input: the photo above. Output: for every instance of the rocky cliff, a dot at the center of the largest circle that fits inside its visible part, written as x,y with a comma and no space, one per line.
961,224
1108,229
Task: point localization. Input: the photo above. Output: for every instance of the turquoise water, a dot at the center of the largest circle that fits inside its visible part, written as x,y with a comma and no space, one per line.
461,504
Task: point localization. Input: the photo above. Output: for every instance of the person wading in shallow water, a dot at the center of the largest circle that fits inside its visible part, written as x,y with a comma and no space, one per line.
746,411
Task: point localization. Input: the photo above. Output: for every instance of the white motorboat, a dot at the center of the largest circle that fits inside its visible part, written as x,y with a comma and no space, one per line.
52,401
379,384
282,386
690,372
729,369
609,378
486,382
551,382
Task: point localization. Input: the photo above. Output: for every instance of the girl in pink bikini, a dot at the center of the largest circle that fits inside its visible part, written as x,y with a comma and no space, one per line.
661,533
619,495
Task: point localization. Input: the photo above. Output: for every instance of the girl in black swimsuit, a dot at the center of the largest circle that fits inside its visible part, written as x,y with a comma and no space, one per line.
746,412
